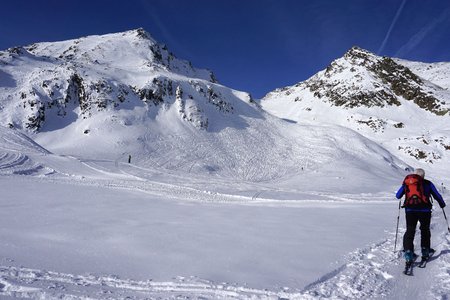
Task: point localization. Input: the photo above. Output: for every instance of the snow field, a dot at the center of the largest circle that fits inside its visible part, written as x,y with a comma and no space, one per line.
179,221
159,247
127,230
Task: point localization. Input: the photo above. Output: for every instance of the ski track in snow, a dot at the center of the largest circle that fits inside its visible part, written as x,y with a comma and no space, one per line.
41,284
367,274
132,178
376,272
21,164
192,194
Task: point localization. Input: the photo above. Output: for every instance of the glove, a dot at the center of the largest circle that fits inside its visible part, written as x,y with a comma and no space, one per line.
442,205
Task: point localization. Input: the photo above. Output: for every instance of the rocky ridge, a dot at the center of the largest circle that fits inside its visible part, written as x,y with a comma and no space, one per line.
361,78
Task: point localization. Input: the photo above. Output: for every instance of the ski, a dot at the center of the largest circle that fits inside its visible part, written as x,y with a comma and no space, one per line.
424,261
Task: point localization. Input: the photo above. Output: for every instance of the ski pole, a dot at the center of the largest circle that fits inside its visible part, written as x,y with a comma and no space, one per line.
398,219
448,227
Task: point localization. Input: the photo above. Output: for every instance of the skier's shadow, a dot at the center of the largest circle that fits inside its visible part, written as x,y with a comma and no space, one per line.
443,252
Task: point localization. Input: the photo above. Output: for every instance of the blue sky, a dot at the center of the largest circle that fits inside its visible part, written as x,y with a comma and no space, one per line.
251,45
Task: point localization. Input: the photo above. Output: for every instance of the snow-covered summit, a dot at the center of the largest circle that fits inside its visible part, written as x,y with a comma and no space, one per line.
134,49
46,81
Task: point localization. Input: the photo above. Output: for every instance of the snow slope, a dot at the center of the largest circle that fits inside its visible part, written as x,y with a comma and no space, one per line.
105,229
437,73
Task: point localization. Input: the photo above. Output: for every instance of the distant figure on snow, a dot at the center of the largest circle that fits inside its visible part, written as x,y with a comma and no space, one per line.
417,191
129,159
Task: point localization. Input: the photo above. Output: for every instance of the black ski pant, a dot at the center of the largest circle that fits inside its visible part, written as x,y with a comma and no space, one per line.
412,218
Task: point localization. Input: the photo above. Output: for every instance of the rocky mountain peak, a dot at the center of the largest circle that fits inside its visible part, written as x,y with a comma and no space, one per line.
140,32
361,78
356,52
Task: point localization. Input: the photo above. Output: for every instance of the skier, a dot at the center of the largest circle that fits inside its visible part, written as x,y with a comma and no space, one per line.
417,191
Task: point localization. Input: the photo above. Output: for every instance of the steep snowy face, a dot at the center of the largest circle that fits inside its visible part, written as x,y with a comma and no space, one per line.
78,78
402,105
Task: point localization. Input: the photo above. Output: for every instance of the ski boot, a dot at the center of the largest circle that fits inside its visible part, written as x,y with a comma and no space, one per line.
426,253
410,256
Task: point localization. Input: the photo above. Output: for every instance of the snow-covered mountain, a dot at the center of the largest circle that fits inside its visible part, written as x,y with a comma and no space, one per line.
111,96
399,104
116,95
96,73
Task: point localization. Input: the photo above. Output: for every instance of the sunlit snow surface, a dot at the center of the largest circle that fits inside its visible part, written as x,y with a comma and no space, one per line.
78,228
